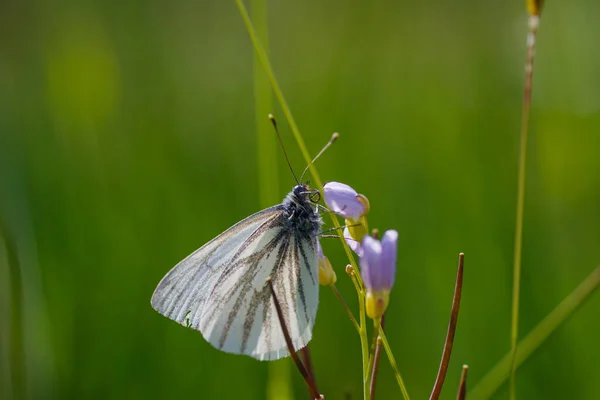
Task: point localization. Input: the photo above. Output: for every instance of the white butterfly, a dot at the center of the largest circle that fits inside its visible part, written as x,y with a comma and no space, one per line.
221,288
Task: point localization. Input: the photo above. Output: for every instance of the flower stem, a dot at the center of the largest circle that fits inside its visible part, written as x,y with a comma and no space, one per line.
348,311
376,326
390,355
497,375
375,367
364,344
514,334
375,354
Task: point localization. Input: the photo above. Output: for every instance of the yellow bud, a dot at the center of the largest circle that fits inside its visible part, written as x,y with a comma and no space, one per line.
377,303
326,273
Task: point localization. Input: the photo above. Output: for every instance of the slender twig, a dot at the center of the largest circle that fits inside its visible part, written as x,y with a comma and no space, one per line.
305,353
534,20
462,386
376,355
497,375
312,387
444,363
343,302
392,359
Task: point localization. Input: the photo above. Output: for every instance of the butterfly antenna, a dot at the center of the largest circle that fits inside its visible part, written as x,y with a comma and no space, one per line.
334,137
272,118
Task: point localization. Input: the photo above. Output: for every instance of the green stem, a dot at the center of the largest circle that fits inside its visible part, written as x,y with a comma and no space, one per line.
375,334
263,103
514,333
264,60
364,344
348,311
390,355
497,375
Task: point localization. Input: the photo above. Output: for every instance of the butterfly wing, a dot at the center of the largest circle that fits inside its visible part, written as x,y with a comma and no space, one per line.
221,288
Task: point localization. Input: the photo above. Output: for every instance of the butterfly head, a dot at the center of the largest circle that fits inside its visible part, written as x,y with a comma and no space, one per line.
303,193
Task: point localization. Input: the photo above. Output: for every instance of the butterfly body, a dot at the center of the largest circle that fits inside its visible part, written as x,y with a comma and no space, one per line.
221,288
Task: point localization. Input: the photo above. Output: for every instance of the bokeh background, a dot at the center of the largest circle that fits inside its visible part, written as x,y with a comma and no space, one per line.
128,138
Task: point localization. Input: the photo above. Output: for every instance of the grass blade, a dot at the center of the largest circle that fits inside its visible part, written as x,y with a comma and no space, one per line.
497,375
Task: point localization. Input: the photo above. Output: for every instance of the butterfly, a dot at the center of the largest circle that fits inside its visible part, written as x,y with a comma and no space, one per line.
221,289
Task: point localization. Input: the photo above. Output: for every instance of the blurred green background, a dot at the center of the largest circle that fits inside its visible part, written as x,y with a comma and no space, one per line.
128,139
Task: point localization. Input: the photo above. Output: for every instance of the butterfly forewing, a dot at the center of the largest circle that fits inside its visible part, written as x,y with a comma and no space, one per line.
221,288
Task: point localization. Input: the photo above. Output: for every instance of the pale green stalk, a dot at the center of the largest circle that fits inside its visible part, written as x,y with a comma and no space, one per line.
268,181
390,355
262,55
279,373
337,294
497,375
364,344
514,332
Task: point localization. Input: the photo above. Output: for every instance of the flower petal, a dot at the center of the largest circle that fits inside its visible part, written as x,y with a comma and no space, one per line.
389,254
370,263
343,200
352,243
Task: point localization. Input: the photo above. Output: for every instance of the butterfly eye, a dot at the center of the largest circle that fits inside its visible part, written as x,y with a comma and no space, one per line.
315,196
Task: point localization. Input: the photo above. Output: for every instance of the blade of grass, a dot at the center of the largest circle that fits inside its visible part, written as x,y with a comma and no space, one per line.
279,373
514,332
263,103
497,375
364,341
264,60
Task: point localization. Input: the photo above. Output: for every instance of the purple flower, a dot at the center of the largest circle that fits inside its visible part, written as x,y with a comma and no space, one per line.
378,261
343,200
378,269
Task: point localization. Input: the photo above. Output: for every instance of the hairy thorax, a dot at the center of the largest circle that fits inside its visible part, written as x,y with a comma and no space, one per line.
300,212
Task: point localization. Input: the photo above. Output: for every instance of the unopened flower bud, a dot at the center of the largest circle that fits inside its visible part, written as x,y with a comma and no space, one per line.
326,273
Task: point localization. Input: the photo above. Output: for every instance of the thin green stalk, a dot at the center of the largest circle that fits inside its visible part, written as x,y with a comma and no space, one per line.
262,55
497,375
514,333
390,355
374,336
348,311
263,103
362,332
279,382
264,60
364,344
